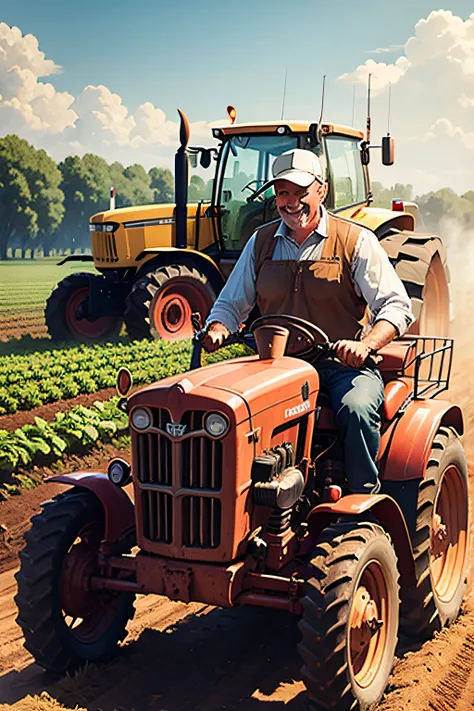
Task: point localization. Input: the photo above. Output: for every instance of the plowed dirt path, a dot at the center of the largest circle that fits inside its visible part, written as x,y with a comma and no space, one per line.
195,657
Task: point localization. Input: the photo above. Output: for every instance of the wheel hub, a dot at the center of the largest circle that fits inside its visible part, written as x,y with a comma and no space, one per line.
77,600
174,314
365,619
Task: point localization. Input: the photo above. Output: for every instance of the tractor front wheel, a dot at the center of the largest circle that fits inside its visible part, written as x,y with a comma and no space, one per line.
67,317
440,540
350,617
64,622
161,303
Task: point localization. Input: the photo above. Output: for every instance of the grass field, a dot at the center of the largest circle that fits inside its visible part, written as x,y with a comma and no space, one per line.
24,287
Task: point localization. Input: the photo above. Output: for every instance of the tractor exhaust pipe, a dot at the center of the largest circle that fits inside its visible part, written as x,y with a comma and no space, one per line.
181,171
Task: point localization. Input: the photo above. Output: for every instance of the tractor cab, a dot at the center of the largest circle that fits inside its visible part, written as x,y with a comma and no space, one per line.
244,162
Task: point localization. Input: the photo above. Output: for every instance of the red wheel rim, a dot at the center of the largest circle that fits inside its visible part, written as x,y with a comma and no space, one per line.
449,534
86,613
82,327
172,306
368,624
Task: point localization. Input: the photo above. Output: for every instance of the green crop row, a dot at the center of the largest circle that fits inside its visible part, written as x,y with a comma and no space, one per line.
34,379
48,441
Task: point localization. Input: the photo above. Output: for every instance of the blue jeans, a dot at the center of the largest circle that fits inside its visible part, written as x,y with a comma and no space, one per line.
356,396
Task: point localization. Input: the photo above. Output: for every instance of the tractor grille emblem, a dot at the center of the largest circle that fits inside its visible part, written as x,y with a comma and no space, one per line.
175,430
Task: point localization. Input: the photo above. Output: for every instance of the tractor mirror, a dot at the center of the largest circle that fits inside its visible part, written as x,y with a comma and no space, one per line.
388,150
193,160
205,158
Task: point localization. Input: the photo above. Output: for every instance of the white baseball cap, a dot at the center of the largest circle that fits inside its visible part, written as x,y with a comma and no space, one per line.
298,166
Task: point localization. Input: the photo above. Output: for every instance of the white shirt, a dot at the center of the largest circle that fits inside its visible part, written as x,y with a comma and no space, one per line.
374,278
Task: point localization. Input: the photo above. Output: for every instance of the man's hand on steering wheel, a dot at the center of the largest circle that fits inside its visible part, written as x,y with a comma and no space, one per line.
215,337
352,353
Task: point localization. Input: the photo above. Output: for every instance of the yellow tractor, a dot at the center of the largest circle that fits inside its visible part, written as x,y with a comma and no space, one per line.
158,264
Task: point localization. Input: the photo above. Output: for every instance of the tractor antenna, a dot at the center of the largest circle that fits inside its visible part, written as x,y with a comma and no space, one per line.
284,95
322,105
353,104
367,137
389,107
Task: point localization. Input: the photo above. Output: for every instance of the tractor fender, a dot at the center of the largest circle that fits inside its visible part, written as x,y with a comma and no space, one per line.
166,256
407,454
388,514
118,507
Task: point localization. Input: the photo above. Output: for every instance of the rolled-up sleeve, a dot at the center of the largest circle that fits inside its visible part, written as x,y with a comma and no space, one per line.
380,285
238,295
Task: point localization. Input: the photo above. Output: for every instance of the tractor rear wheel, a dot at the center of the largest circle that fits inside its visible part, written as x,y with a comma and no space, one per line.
434,317
440,541
66,312
350,617
161,303
64,622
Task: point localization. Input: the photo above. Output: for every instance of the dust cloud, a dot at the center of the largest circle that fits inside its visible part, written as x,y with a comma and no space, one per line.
459,243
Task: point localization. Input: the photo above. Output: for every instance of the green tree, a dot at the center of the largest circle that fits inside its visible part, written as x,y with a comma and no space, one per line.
162,185
383,196
197,189
443,208
31,201
138,185
86,185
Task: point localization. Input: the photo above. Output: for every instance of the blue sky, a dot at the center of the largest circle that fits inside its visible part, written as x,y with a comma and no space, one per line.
201,55
142,60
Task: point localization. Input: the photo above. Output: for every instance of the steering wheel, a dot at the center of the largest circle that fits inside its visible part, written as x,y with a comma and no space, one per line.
249,186
305,339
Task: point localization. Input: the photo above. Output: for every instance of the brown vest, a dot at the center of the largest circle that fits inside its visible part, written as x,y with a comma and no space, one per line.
320,291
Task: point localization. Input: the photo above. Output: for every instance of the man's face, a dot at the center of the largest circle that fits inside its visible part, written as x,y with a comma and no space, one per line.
299,207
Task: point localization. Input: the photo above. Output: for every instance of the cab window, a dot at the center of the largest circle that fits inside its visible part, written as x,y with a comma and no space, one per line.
346,171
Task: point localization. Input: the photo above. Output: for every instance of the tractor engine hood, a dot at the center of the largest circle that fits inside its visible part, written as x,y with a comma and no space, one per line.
247,386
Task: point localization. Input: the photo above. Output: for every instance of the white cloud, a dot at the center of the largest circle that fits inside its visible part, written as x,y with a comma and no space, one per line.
432,103
94,121
386,50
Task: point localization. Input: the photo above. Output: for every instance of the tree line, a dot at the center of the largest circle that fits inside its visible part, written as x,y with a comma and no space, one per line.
48,205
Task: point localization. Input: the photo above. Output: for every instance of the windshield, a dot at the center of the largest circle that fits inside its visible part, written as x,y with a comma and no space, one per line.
245,167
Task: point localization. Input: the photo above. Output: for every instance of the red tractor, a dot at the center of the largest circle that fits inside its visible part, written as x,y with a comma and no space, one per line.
240,498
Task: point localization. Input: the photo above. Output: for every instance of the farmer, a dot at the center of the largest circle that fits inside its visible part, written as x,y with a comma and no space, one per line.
327,270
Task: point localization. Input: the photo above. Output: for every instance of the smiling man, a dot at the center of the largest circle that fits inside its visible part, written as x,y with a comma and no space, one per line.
335,274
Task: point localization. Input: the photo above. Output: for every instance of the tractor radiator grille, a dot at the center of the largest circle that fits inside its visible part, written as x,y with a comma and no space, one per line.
104,247
155,464
177,480
201,463
201,522
157,510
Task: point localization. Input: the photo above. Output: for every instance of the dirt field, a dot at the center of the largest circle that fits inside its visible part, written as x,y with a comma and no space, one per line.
181,657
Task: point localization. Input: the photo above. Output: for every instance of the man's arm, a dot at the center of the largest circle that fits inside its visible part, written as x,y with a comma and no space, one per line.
235,301
383,290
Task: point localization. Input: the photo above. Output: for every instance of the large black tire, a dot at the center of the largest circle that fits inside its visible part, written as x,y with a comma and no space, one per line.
63,316
161,302
420,262
64,540
440,545
354,566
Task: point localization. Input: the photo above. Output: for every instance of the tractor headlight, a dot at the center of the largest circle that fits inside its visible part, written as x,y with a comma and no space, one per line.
119,472
141,418
216,424
103,226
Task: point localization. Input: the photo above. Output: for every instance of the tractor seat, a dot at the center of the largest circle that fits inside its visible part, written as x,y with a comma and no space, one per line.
394,358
